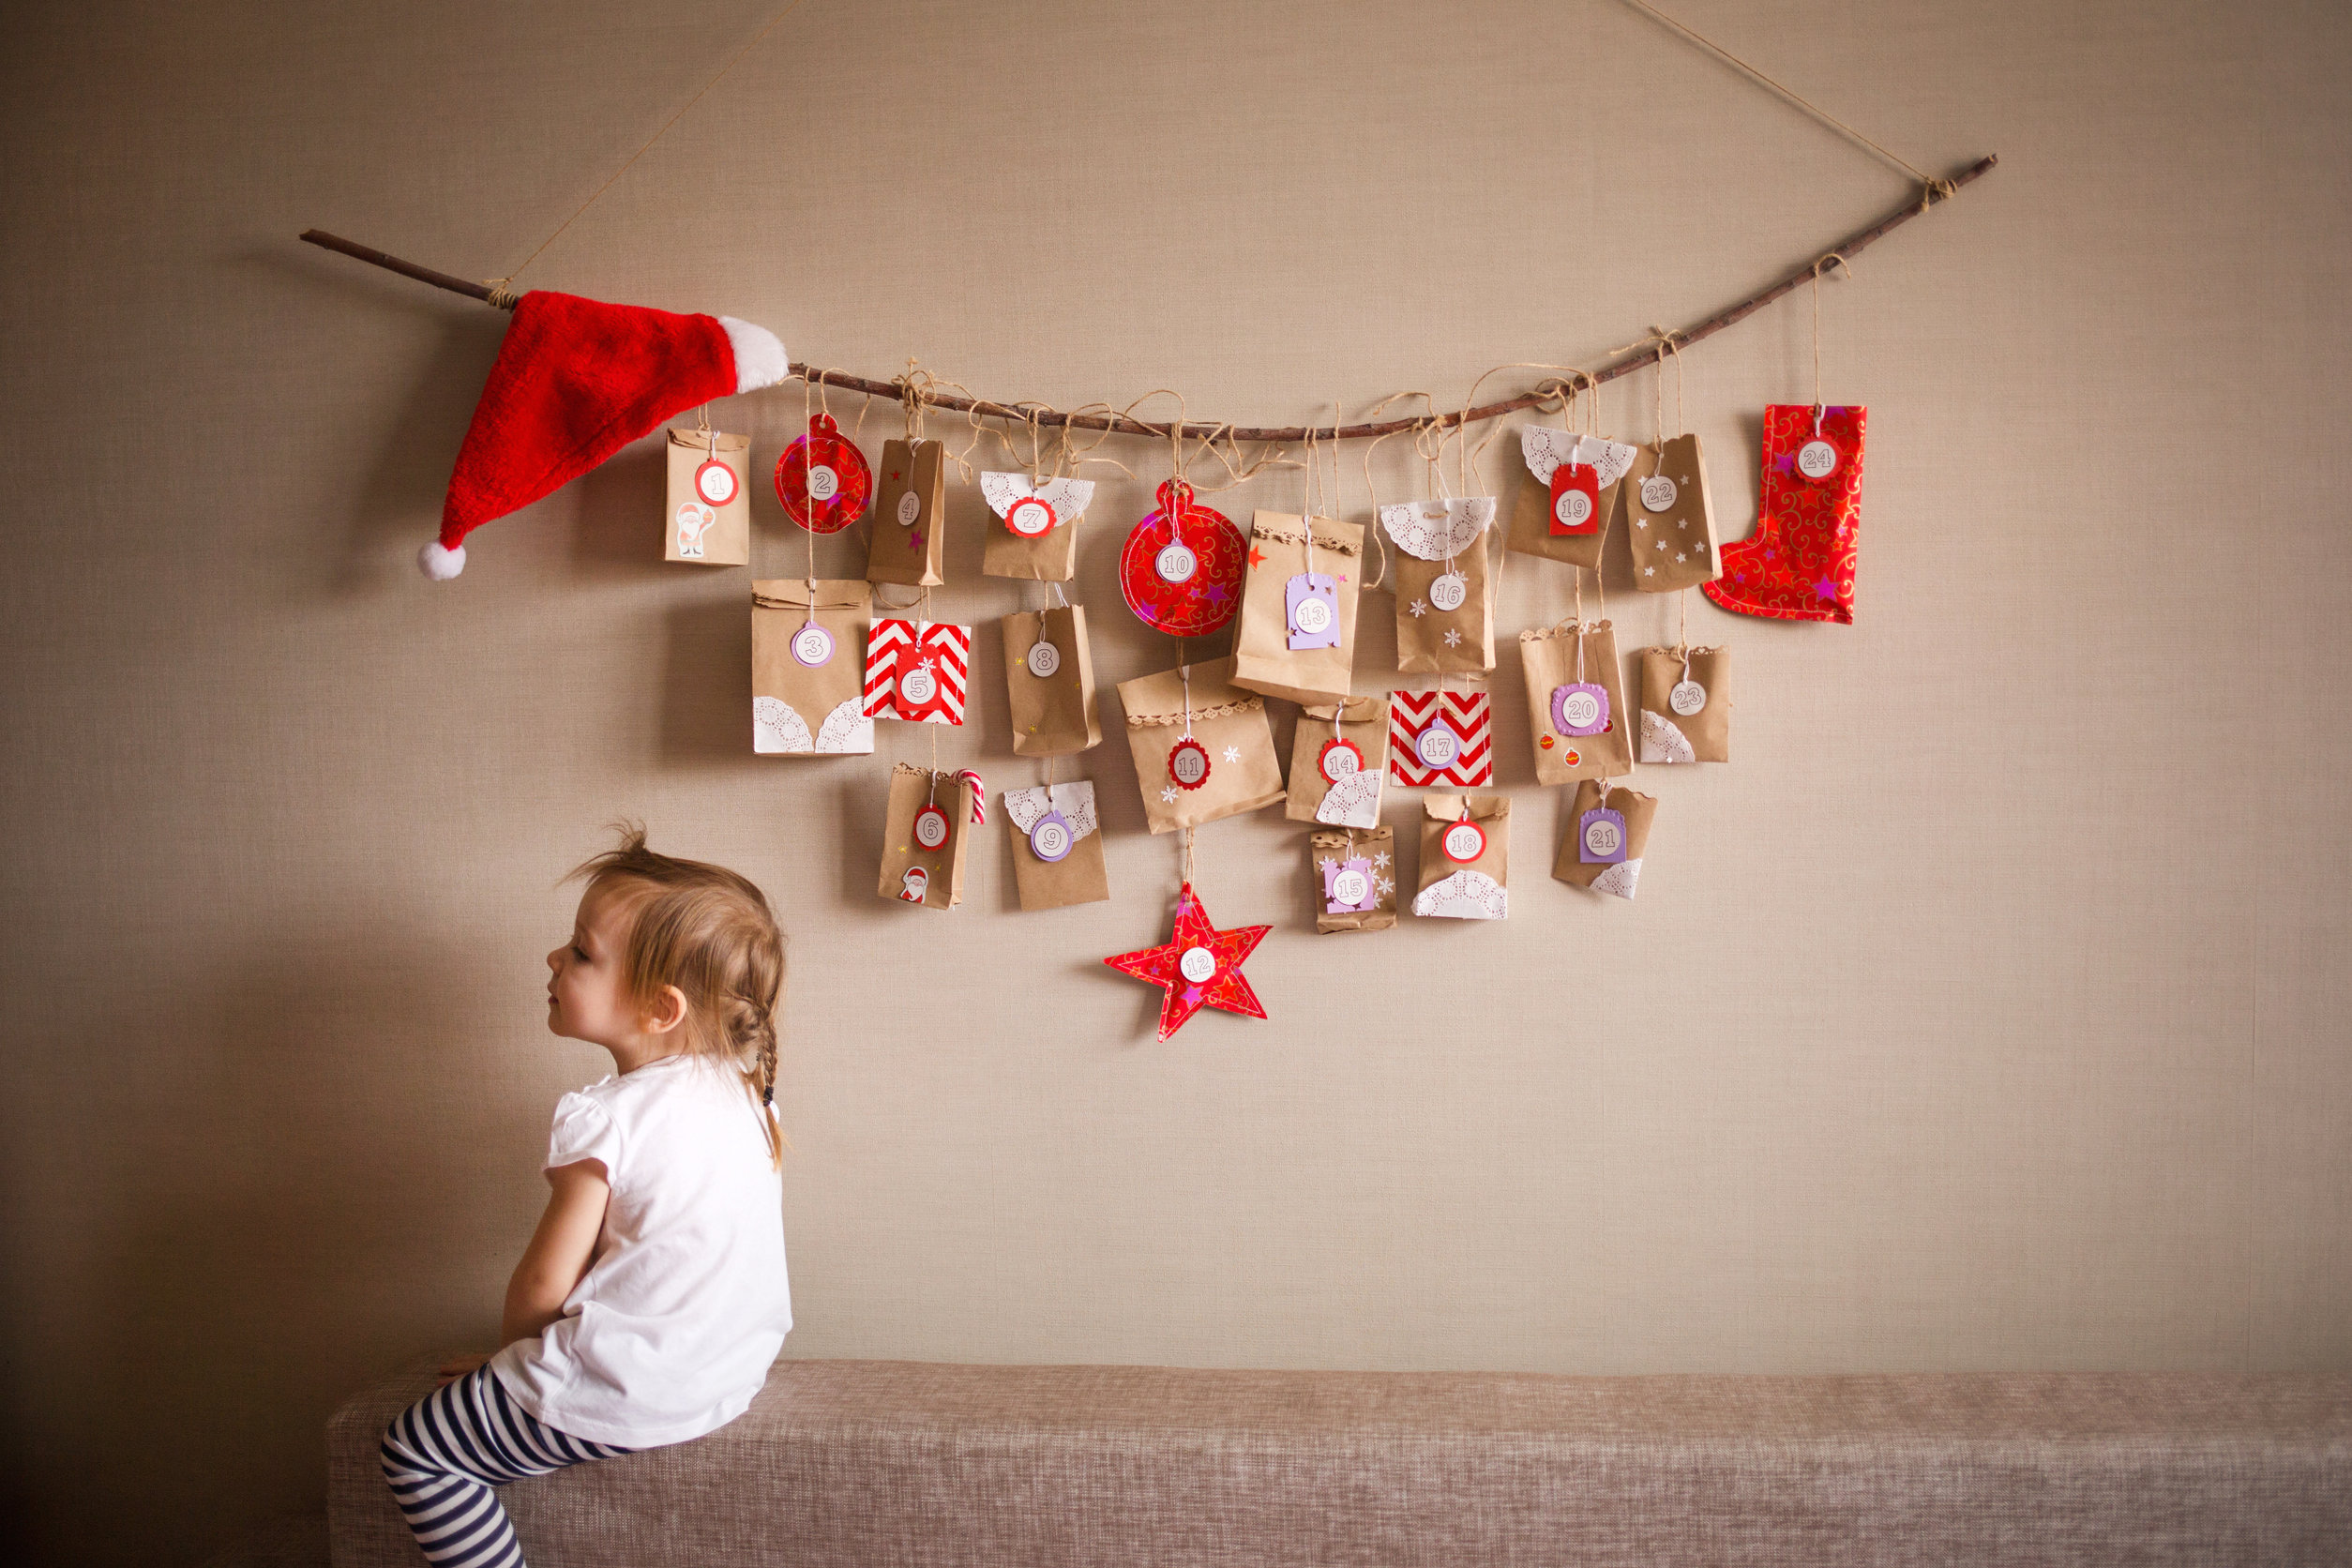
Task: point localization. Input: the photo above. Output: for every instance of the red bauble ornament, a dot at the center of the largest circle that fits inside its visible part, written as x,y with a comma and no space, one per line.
823,479
1199,965
1181,571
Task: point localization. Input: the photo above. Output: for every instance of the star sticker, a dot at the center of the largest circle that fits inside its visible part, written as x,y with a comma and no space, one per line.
1679,557
1380,861
1195,937
1453,638
1825,589
1416,608
1168,793
1681,522
1649,571
1232,753
1662,544
1257,557
1641,522
914,539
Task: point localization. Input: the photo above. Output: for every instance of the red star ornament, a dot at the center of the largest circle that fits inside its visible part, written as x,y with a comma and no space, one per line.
1215,981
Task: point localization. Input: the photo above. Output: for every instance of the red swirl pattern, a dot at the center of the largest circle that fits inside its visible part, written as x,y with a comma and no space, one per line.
1205,600
823,446
1799,564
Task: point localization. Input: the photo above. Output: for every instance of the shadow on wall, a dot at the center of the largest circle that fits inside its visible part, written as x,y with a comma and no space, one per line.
334,1140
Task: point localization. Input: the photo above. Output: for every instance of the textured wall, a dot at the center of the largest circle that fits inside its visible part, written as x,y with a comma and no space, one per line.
1980,1015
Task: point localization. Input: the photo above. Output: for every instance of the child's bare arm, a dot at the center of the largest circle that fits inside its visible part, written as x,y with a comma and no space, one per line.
560,1249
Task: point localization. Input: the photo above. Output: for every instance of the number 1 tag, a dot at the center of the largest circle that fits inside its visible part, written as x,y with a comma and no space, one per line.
1311,602
1576,499
1601,836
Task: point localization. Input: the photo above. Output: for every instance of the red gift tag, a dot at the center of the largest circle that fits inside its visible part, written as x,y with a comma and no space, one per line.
1463,842
1181,569
823,479
1188,764
1339,759
930,827
1576,499
715,482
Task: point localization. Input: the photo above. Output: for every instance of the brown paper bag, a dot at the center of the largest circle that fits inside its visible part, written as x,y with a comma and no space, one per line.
1543,449
1464,857
1229,739
803,706
1057,848
1673,543
923,854
1337,770
1619,878
708,519
1547,658
1687,704
1298,639
906,538
1048,557
1354,876
1443,579
1051,673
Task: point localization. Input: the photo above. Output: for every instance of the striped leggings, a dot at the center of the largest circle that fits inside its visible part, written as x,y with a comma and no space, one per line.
443,1454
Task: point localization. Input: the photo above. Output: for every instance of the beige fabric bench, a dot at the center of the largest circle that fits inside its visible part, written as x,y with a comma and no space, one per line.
908,1464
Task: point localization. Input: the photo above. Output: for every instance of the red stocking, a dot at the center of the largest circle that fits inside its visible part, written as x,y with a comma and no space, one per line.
1799,564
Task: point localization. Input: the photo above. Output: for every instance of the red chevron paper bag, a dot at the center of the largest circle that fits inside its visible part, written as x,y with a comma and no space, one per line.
916,671
1440,737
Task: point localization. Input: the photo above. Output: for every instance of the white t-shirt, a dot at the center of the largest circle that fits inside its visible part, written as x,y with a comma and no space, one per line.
674,1326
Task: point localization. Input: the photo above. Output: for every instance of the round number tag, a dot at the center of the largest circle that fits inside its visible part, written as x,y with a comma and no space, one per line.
812,646
918,686
1188,764
1176,564
909,508
1464,842
1448,591
1816,459
1574,508
1313,616
1657,493
1050,839
1603,836
1687,698
716,483
930,827
823,483
1350,889
1044,659
1437,746
1032,517
1580,708
1339,759
1198,964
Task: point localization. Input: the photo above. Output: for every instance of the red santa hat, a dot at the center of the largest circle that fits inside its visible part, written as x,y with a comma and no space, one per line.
575,381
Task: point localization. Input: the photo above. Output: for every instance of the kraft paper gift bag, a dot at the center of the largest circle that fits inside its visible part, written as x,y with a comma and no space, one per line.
1204,749
807,692
1297,632
1338,760
1355,871
1607,834
1576,701
1057,848
1687,704
1567,495
1441,737
1050,674
709,510
1444,595
917,670
907,542
1465,858
931,815
1033,534
1670,522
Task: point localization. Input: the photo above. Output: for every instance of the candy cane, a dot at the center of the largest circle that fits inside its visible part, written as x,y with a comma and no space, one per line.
979,796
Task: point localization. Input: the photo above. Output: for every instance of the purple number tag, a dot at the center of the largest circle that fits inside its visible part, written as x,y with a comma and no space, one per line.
1348,886
1052,838
1581,708
1601,836
1311,600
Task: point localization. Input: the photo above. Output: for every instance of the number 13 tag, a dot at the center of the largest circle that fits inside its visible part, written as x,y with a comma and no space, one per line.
1311,603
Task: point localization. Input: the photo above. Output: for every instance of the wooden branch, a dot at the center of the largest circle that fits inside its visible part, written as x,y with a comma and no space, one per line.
1626,364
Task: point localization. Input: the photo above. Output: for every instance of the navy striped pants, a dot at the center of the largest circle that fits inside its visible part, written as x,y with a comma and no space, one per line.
443,1454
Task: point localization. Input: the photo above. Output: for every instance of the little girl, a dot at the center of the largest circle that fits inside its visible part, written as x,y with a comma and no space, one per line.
652,1300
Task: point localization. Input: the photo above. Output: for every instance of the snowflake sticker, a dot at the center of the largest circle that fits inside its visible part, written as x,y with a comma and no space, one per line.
1453,638
1387,886
1381,860
1417,609
1168,793
1232,753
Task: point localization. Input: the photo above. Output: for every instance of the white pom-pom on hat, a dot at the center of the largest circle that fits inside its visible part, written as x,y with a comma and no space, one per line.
440,562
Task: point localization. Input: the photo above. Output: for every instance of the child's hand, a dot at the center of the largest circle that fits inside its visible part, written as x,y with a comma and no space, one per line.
458,1366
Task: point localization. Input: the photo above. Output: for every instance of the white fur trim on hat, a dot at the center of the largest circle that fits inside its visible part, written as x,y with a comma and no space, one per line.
760,357
440,562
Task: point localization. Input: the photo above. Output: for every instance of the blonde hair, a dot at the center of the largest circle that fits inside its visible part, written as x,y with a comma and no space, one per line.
708,932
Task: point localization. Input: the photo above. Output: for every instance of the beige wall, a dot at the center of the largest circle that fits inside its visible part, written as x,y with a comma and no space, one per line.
1983,1014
